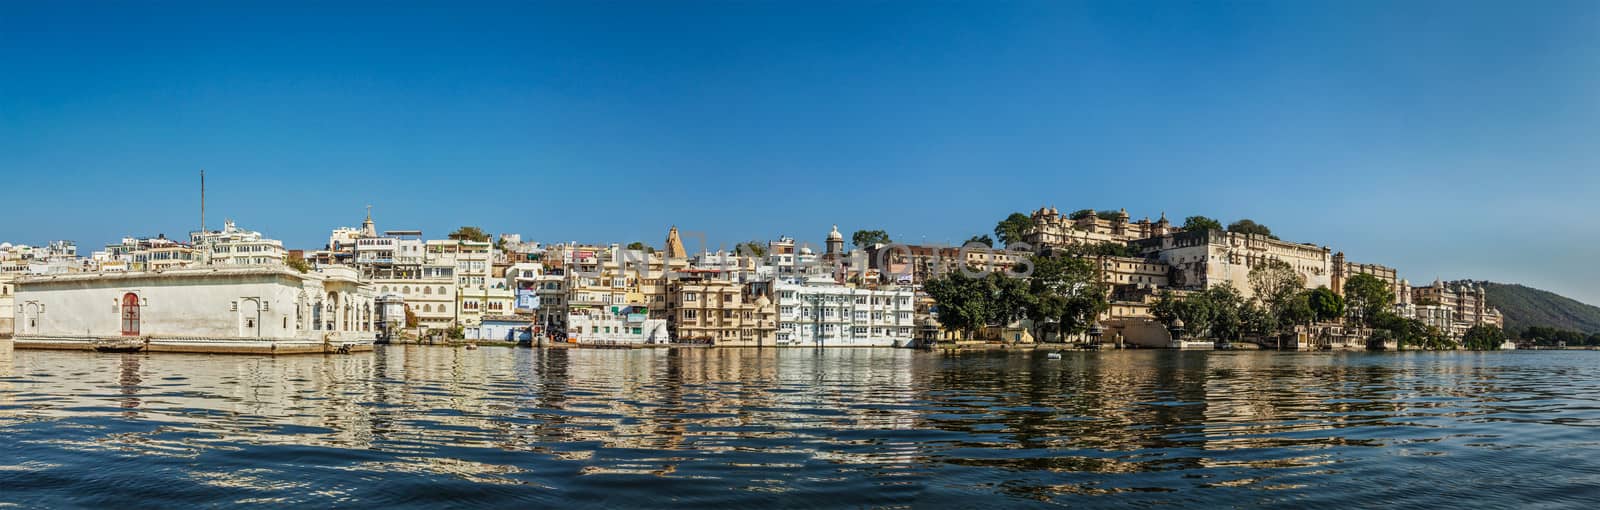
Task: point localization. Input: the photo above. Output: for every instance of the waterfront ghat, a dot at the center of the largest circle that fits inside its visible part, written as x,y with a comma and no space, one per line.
427,427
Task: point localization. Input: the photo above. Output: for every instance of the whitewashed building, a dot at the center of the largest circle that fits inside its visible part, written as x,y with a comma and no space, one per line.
244,309
235,246
818,312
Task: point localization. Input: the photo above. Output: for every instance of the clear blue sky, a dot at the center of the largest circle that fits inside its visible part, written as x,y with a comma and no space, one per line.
1452,138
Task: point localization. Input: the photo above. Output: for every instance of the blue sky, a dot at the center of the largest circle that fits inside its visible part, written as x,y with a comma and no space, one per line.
1453,139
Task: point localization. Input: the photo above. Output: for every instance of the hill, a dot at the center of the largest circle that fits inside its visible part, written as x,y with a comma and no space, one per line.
1525,306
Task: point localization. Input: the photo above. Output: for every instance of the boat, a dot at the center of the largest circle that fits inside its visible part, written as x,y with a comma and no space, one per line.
1053,355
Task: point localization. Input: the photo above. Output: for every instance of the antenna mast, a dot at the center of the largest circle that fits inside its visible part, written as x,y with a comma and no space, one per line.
205,254
202,203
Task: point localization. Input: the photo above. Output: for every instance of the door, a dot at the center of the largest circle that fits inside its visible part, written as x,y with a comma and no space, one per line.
130,314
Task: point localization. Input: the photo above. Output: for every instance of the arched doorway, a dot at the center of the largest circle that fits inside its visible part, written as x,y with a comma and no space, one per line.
130,314
249,317
30,318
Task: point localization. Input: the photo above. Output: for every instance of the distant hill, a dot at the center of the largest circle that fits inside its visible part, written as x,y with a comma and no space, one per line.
1525,306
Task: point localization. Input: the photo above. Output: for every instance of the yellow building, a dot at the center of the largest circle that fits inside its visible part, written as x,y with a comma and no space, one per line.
705,308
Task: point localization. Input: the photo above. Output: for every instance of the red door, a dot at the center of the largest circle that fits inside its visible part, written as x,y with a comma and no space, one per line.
130,314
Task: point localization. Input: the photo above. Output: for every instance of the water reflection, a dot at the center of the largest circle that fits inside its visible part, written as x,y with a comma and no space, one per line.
422,426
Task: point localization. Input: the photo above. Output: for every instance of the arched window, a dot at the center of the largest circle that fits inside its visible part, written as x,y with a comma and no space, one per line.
407,290
427,290
442,291
427,308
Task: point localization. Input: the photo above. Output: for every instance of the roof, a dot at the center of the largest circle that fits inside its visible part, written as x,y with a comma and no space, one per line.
184,272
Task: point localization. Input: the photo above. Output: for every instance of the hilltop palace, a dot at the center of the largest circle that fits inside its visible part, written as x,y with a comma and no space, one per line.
236,290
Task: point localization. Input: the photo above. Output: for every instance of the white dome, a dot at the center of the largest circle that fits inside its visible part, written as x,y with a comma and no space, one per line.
805,251
835,235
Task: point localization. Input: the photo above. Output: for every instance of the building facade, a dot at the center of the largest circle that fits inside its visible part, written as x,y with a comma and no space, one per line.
817,311
1201,260
254,309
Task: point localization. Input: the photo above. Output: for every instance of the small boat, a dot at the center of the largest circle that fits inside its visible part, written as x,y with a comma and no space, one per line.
1053,355
472,346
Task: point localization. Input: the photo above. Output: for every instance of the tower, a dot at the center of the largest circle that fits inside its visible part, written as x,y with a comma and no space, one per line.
368,228
835,242
675,245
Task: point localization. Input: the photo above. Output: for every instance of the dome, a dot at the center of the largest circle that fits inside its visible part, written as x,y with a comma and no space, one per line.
762,301
805,250
835,235
5,246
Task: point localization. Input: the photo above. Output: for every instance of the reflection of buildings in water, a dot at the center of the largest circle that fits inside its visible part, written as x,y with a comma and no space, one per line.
128,382
1252,399
7,392
844,388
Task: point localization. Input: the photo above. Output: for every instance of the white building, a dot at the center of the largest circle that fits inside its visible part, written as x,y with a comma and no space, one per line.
622,325
245,309
817,311
234,246
8,306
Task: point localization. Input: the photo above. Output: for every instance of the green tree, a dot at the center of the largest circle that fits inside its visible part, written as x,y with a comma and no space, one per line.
411,317
1195,310
1366,297
1108,215
962,303
297,262
470,233
1010,230
1483,338
865,238
751,248
1199,223
639,246
1067,291
1276,284
1105,249
1299,311
1080,214
1255,320
968,304
980,239
1229,309
1247,226
1326,304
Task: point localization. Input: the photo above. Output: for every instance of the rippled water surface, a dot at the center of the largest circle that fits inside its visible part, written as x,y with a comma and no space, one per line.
696,428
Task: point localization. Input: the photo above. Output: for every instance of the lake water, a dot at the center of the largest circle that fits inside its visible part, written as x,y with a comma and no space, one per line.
434,427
